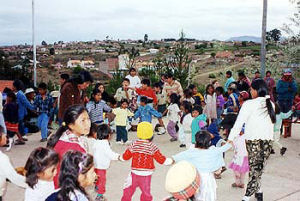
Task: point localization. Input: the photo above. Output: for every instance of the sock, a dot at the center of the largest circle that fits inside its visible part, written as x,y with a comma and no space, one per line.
246,198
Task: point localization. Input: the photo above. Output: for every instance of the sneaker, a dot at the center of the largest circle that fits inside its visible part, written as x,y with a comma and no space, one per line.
19,142
128,142
161,131
182,145
25,138
119,142
282,151
223,169
10,143
173,139
43,140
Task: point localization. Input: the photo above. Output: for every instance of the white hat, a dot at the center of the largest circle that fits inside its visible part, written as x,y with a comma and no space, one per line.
29,90
55,94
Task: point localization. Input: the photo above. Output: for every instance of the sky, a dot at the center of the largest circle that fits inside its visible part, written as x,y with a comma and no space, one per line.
87,20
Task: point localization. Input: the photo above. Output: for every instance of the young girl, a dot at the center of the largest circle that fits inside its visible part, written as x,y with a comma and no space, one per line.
185,131
243,96
90,139
220,103
207,159
10,112
211,103
143,153
77,173
41,167
96,106
76,122
7,171
188,96
103,155
122,113
174,116
239,163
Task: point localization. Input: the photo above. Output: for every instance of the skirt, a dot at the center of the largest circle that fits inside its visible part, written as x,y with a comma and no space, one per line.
242,168
208,188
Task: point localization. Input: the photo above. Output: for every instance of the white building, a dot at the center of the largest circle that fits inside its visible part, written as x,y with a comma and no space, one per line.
153,51
82,63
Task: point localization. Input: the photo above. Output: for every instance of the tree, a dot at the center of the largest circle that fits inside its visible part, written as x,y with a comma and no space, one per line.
244,43
51,51
132,54
145,38
213,54
273,35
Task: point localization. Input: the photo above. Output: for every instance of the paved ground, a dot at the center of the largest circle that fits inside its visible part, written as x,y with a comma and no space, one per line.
281,181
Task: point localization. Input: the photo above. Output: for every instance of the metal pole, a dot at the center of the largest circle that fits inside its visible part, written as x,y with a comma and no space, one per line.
34,46
263,39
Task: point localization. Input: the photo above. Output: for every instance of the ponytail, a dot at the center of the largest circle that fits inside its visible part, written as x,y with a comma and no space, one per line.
54,138
270,109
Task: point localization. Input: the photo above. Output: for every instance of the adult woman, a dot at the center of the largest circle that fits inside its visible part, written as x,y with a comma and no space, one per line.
105,96
258,117
72,92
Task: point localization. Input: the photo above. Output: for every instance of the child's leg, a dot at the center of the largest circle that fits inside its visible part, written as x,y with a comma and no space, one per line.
242,178
119,133
161,122
144,183
124,134
276,139
237,177
181,135
101,181
129,187
171,129
44,125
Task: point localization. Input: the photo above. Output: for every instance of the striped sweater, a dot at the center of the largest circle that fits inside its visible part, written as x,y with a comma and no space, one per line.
143,154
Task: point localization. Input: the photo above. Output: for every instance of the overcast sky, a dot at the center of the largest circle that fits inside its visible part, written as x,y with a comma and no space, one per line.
74,20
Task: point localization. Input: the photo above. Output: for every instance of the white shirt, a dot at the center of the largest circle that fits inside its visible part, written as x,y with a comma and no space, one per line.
89,141
1,101
258,124
40,191
187,123
135,81
7,171
103,154
78,196
173,111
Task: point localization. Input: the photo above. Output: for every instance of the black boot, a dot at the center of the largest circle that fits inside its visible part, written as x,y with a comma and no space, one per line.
259,196
282,151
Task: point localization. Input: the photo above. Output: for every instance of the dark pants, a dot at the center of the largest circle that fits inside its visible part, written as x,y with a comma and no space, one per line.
121,134
22,127
285,105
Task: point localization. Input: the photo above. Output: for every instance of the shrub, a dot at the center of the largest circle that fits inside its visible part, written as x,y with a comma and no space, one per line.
211,75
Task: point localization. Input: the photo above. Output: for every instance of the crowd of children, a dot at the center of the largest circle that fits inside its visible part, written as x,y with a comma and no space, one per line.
79,151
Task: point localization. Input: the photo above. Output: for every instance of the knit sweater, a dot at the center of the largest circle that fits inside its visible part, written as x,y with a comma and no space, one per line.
143,154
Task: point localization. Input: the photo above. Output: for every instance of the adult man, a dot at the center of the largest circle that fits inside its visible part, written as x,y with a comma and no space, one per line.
271,84
172,86
230,79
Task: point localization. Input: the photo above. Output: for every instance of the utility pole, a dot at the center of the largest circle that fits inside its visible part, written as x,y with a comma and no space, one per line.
263,39
34,46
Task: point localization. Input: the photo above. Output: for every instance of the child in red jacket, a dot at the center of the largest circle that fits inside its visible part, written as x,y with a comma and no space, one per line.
143,153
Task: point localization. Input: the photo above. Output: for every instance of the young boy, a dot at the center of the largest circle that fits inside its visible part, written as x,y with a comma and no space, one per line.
43,103
122,113
145,113
161,98
198,122
196,95
147,91
124,92
143,153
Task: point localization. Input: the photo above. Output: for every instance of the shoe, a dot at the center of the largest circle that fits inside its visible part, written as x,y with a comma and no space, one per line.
173,139
25,138
282,151
43,140
223,169
242,186
10,143
19,142
182,145
128,142
272,151
119,142
234,185
161,131
259,196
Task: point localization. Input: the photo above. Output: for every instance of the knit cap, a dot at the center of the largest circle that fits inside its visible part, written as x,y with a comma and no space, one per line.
144,131
182,180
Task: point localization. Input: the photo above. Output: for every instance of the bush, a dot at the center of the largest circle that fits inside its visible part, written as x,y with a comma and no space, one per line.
211,75
115,82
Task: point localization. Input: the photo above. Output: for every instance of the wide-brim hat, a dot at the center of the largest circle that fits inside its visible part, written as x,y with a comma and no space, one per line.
182,180
144,131
29,90
55,94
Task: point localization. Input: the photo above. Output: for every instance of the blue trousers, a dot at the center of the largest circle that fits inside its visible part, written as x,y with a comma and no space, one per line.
121,134
285,105
43,120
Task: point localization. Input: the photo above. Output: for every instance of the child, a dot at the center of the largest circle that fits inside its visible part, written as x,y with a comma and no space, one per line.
43,103
96,106
211,103
207,159
198,122
76,122
188,96
161,98
143,153
6,169
174,114
122,113
243,96
232,101
124,92
239,163
147,91
196,95
279,117
185,125
90,139
220,103
145,113
40,169
10,112
134,79
77,173
103,155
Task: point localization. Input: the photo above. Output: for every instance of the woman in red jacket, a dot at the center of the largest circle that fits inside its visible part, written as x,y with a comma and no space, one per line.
76,122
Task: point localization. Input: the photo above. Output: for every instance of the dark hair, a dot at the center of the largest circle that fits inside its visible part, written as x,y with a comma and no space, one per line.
198,108
226,95
103,132
39,160
229,73
241,74
18,84
132,69
95,92
268,72
169,75
70,116
93,130
124,100
43,86
146,82
126,79
192,86
144,99
12,95
187,106
207,87
83,76
65,76
203,139
157,85
220,89
277,108
174,99
7,90
73,164
257,72
98,85
262,90
188,93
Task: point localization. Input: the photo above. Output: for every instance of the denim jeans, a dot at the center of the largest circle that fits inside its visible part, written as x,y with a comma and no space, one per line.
219,113
285,105
43,120
21,127
121,134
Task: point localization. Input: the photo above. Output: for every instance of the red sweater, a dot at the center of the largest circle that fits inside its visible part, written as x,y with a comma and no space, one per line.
149,93
143,154
61,148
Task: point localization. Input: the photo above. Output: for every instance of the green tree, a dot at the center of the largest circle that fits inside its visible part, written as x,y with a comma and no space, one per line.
273,35
115,82
132,55
244,43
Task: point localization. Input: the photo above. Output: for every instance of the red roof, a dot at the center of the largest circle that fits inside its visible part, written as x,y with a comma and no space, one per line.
6,83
